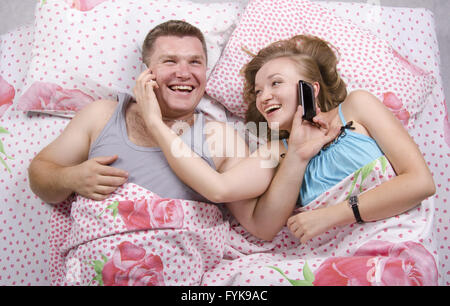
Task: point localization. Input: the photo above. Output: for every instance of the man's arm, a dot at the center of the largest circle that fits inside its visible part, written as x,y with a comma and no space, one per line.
63,167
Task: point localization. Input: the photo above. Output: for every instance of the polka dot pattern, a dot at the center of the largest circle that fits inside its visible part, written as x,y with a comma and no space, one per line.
366,62
86,231
98,51
251,261
26,252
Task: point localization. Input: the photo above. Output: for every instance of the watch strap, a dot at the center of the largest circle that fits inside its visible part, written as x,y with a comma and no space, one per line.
353,203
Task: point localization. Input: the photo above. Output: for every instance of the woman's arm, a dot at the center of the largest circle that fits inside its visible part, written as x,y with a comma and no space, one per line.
265,217
246,179
243,181
412,184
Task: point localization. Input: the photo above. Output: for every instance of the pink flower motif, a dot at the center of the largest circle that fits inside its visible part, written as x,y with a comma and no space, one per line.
381,263
48,96
152,213
395,105
84,5
411,67
7,94
167,213
130,265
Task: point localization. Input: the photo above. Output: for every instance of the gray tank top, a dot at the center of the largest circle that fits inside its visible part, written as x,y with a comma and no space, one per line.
147,166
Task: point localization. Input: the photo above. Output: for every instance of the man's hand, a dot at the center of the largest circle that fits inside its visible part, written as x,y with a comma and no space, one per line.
94,179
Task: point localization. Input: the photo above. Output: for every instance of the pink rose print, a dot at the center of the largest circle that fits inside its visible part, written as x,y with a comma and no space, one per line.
130,265
381,263
395,105
151,213
48,96
84,5
167,213
7,94
135,215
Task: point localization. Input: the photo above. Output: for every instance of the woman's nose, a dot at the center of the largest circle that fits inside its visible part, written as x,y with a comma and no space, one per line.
265,95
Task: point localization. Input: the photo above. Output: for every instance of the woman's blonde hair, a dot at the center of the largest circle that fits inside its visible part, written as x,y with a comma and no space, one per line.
315,60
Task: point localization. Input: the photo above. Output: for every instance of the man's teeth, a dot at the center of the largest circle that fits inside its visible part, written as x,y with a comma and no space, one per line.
181,87
272,108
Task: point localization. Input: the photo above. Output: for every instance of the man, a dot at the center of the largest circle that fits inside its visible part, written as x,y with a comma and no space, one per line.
80,161
92,159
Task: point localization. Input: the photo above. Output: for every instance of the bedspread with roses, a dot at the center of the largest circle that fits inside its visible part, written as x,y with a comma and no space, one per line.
138,238
396,251
135,237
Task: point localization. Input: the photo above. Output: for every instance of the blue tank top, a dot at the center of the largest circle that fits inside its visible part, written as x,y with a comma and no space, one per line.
345,155
147,166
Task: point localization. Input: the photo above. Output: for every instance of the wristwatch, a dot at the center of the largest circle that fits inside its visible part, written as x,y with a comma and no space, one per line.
353,203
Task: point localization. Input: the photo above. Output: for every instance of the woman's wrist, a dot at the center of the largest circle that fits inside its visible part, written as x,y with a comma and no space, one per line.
343,214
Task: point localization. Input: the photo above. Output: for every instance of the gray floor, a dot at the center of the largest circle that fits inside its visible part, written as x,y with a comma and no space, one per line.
14,13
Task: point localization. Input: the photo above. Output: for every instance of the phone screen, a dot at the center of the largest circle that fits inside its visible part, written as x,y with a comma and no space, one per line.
306,98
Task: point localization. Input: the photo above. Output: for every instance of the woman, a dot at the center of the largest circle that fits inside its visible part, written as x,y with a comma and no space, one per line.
314,156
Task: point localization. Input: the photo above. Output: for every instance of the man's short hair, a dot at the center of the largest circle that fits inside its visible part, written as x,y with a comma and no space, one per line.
177,28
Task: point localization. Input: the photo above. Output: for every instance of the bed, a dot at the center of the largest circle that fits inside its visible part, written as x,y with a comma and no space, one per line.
37,239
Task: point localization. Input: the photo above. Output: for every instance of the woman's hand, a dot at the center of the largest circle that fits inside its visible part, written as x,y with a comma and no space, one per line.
307,139
309,224
146,98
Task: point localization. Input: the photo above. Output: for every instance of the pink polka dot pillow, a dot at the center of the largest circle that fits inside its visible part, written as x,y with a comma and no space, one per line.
85,50
366,62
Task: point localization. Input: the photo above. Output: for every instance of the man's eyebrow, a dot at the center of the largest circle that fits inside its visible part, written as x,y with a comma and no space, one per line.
174,56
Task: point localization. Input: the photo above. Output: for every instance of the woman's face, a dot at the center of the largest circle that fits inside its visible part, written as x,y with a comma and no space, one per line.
276,89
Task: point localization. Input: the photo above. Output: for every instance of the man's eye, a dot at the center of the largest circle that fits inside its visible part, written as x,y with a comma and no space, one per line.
274,83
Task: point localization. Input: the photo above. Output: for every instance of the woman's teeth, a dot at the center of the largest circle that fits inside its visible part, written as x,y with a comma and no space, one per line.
272,108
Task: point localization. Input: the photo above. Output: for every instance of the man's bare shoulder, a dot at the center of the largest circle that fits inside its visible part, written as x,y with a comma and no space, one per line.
97,110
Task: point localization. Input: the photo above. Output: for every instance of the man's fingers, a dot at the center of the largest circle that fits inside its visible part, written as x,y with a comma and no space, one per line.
105,160
104,190
111,171
112,181
99,197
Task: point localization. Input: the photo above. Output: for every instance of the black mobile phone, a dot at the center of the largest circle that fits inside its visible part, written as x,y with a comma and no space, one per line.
306,99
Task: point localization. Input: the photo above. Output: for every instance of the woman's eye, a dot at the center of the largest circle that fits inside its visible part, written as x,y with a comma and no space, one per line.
257,92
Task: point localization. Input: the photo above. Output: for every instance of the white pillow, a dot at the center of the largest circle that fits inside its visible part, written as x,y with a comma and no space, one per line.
87,50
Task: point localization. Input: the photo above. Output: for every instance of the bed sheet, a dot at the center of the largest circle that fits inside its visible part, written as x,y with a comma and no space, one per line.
24,218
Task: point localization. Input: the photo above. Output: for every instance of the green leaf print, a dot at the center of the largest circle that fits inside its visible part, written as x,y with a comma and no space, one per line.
307,275
353,184
98,268
384,163
2,150
365,172
114,207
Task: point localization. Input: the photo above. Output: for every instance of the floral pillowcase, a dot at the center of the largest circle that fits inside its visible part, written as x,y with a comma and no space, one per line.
86,50
366,61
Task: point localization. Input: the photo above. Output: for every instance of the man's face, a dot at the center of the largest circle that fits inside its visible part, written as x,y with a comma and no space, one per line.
179,64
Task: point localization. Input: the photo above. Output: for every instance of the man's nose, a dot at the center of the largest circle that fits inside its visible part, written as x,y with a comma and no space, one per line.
183,70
